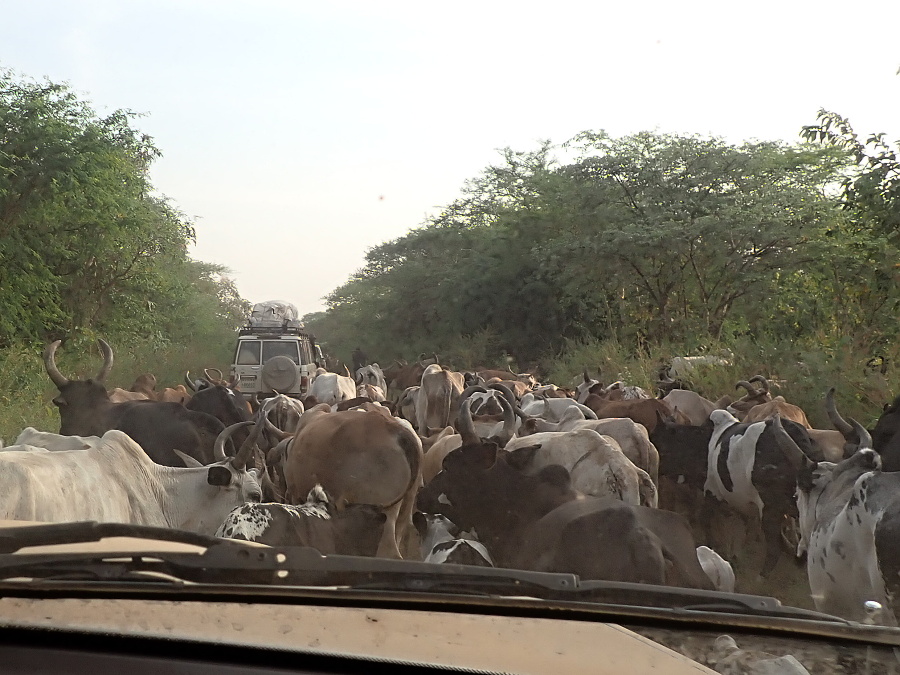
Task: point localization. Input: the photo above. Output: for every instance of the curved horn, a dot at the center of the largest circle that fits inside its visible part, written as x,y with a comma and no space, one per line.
751,390
50,364
246,451
471,389
588,413
839,422
584,374
615,385
763,381
506,391
219,446
188,381
465,425
107,352
509,423
207,371
865,438
788,445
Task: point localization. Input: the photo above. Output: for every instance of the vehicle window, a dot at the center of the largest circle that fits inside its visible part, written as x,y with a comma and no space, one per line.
273,348
248,354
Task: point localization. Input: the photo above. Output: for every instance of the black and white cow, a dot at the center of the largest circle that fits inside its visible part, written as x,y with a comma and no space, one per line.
850,530
747,469
441,542
355,530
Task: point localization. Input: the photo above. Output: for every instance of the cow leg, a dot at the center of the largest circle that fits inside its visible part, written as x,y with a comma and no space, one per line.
771,527
387,547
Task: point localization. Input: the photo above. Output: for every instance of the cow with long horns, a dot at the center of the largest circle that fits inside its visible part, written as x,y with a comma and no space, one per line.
158,427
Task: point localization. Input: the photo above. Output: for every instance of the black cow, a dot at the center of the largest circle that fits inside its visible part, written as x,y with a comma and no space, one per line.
159,428
886,436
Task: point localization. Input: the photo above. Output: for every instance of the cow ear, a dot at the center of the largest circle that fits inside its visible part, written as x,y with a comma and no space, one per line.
219,475
806,476
521,458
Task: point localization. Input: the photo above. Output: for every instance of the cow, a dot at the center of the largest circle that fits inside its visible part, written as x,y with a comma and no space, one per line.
552,409
159,428
332,388
359,457
683,366
886,436
643,411
111,479
747,470
371,392
610,540
631,436
777,406
515,514
717,569
849,516
691,404
441,543
752,398
400,376
596,464
119,395
355,530
438,394
372,375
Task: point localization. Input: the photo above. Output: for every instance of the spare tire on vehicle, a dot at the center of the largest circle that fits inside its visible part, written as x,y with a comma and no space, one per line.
280,374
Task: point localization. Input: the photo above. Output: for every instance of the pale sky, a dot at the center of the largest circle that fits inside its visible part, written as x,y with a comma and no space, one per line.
300,134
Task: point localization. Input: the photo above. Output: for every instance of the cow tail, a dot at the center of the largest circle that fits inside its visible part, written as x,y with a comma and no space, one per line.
413,452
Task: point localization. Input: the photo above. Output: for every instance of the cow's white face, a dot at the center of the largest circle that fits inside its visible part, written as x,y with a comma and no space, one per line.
807,503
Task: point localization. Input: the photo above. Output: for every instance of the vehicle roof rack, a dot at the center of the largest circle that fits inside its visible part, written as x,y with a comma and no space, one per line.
271,330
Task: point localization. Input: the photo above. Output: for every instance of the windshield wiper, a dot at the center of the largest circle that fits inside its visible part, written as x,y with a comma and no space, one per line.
234,563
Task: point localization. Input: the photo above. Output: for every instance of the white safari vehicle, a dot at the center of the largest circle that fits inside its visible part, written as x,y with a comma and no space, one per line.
274,353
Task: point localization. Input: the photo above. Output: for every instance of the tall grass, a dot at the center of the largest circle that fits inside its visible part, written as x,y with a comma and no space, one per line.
800,371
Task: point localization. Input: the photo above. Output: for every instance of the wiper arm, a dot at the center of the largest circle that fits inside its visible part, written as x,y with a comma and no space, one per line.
230,562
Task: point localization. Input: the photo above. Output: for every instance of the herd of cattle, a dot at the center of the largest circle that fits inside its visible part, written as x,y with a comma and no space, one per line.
481,468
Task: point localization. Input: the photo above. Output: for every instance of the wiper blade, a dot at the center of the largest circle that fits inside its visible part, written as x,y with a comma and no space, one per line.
230,562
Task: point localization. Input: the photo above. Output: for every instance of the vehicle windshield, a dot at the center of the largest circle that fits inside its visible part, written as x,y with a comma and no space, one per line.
608,292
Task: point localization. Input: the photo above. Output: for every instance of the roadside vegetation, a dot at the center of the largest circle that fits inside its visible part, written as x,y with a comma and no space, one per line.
636,249
88,248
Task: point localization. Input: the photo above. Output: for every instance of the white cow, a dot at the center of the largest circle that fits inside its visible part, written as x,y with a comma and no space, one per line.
597,465
373,375
111,479
717,569
632,437
331,388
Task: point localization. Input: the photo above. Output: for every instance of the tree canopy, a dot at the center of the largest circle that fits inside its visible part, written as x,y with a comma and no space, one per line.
649,238
87,245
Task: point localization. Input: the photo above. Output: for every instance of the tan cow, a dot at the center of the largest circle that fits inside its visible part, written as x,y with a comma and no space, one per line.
359,457
437,399
777,406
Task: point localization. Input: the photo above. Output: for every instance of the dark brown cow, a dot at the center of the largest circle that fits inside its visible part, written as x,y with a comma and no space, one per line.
603,538
159,428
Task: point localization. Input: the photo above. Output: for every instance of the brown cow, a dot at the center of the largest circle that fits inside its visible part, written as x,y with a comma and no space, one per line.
641,410
777,406
359,457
